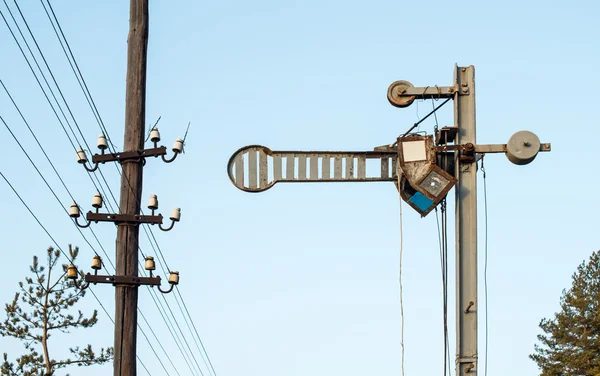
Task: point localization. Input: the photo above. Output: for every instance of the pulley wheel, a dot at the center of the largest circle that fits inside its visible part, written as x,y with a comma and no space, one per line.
394,94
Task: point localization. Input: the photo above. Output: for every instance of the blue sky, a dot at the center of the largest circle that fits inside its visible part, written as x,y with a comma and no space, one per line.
304,278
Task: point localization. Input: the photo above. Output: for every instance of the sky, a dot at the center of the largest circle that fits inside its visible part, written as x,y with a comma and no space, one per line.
304,278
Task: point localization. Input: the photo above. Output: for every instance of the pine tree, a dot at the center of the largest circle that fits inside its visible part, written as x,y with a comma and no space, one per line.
570,345
43,306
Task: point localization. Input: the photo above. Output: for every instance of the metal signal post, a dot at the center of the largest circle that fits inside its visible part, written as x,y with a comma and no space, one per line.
425,170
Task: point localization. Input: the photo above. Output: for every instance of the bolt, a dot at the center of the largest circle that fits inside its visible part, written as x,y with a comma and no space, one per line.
465,90
464,84
464,69
450,90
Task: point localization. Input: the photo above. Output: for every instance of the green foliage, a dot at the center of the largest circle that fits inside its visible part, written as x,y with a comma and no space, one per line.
44,306
570,344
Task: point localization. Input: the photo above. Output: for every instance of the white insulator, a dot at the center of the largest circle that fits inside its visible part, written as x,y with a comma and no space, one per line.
176,214
72,272
178,146
97,201
81,157
96,263
150,264
153,202
174,278
102,145
154,135
74,211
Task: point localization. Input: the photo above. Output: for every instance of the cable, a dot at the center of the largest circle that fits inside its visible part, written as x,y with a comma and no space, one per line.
43,90
55,83
33,134
54,193
167,321
60,249
147,339
485,269
190,329
443,245
91,99
183,336
400,278
92,105
42,176
428,115
196,330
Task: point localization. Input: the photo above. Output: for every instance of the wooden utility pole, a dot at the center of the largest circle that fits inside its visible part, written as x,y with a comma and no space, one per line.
126,296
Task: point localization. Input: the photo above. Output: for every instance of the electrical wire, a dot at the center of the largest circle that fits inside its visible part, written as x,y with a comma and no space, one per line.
195,330
81,82
54,193
190,329
108,202
55,83
51,164
148,339
61,250
92,105
83,85
167,320
44,91
183,336
443,245
62,96
400,277
485,269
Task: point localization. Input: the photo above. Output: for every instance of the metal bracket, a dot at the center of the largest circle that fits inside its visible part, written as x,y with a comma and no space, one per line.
469,150
129,155
428,92
466,359
122,280
124,218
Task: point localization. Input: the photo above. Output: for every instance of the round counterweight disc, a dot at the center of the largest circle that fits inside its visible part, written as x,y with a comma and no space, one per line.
522,147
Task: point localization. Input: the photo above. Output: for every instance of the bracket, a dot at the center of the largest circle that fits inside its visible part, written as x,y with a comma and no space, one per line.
129,155
122,280
124,218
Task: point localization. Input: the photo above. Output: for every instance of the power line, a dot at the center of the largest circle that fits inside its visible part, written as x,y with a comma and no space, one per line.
98,118
94,109
91,99
54,193
400,279
71,261
485,269
196,330
44,90
55,83
194,338
171,328
40,173
147,339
